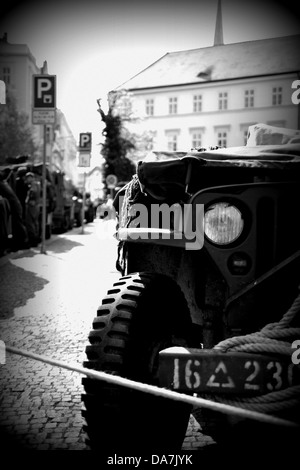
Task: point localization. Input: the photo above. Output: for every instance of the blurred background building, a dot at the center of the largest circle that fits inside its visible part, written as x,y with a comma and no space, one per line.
17,66
210,96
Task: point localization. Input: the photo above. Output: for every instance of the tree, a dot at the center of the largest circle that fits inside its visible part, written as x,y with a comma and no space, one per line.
15,133
118,141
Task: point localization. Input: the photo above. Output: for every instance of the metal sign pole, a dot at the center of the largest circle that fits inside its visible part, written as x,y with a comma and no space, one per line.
111,181
43,113
44,188
83,204
85,147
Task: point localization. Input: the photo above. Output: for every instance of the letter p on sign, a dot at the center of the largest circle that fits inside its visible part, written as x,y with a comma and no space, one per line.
85,141
44,91
43,86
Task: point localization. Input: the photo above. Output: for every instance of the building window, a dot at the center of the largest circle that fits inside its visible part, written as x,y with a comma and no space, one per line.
6,75
172,142
249,98
245,132
223,100
222,138
149,141
125,109
172,105
196,140
150,107
277,96
197,103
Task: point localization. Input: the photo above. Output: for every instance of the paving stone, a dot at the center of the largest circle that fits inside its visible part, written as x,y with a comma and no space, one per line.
39,420
50,426
40,403
36,426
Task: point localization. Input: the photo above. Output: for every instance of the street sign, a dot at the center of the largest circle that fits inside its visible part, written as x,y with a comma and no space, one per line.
84,159
44,112
111,181
44,99
43,116
44,91
85,142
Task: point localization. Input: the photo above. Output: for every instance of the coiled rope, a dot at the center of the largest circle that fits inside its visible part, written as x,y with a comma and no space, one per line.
275,338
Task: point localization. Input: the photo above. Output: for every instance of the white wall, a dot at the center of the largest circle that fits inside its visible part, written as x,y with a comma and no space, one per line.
235,120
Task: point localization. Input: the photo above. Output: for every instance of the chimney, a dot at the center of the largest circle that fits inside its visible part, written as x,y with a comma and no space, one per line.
44,68
219,27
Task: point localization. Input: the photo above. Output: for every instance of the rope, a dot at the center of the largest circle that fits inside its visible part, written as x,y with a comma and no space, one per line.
263,348
270,331
268,340
289,316
279,395
241,343
264,407
154,390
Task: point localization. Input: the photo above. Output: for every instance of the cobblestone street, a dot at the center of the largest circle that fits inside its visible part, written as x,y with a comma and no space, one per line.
48,302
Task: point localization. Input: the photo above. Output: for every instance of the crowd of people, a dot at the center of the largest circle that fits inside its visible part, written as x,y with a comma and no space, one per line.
20,210
21,206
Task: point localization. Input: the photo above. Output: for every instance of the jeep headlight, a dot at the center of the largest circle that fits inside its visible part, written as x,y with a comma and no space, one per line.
223,223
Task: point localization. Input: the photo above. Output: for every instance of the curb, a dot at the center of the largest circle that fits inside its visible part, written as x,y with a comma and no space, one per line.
36,250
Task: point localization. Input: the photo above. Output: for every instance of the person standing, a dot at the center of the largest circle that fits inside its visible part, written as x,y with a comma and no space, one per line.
16,227
21,189
32,209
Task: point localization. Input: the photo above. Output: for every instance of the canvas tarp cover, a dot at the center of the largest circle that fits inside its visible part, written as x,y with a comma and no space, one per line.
165,177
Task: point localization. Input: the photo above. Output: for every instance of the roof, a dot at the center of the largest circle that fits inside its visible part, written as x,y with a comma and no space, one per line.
222,62
7,50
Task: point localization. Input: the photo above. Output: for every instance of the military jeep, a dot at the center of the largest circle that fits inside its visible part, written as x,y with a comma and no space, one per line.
209,256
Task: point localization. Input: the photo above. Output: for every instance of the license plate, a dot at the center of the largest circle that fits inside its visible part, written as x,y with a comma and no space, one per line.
211,371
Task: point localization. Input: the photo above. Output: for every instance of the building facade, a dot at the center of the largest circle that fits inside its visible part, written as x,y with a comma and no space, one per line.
17,67
61,148
210,96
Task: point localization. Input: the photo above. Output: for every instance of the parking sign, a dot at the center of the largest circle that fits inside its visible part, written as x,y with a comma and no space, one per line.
44,91
85,142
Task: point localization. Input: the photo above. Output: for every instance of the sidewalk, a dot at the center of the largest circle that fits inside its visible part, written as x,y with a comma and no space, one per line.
47,306
48,302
